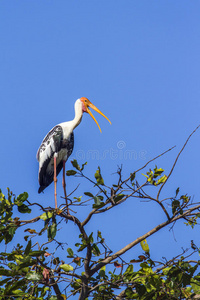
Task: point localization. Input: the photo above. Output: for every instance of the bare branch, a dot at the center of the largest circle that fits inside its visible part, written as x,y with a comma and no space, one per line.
29,221
176,161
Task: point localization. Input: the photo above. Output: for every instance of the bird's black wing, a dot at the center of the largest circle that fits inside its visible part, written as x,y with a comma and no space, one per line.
51,144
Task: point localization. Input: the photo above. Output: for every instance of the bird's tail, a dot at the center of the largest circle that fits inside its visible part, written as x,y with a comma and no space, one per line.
41,189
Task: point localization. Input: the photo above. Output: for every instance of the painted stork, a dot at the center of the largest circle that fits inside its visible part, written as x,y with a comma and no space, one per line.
58,145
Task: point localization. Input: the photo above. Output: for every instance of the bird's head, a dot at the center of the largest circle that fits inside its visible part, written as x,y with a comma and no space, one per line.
85,108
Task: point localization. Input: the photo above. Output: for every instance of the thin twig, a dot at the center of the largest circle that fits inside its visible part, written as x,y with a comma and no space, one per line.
176,161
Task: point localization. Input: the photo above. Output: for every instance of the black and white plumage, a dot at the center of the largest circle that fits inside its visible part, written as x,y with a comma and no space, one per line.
58,145
54,142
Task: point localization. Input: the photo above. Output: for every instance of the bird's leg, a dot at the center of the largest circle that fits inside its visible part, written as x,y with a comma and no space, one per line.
64,187
55,181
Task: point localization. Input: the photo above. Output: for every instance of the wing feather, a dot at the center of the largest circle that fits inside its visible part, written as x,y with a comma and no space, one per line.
53,142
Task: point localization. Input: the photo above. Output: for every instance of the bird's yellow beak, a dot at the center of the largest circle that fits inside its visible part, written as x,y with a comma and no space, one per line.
88,104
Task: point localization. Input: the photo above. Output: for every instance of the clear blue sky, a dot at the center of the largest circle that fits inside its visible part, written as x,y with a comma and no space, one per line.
138,62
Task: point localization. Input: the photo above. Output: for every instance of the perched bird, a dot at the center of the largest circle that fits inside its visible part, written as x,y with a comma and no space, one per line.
58,145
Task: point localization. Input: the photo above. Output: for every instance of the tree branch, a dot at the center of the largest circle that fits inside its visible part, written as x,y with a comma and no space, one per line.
176,161
56,289
141,238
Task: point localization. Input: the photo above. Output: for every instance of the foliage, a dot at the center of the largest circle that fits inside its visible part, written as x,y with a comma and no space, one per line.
30,268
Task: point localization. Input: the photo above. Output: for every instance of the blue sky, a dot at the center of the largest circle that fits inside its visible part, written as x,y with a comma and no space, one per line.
139,63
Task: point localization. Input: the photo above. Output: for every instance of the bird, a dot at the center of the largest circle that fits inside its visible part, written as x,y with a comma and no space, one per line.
58,145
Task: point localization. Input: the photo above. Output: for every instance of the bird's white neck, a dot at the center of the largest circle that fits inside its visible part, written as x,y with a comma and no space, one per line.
71,125
78,116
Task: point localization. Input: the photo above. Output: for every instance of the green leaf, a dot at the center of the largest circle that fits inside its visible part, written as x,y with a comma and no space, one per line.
175,206
151,175
90,238
31,231
158,172
78,198
18,293
97,201
37,253
28,248
191,221
99,235
51,231
98,177
22,197
95,250
161,180
56,261
88,194
8,238
132,176
66,267
75,165
46,215
144,245
82,247
118,197
185,198
83,165
195,286
98,206
70,252
147,176
12,230
177,191
102,271
71,172
24,209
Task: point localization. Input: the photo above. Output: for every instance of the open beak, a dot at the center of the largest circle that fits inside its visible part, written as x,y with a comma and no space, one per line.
97,110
